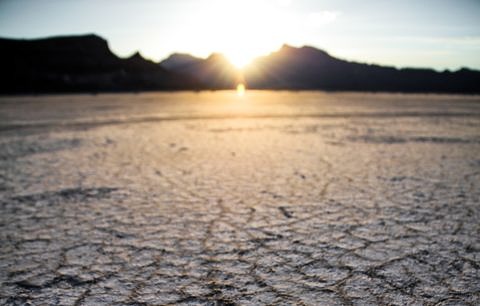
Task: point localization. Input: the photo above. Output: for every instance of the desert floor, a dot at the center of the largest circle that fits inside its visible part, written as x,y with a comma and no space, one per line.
278,198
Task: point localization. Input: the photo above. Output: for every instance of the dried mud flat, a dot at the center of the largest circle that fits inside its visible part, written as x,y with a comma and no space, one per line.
210,199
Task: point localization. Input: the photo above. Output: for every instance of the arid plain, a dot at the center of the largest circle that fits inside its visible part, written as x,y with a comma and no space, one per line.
278,198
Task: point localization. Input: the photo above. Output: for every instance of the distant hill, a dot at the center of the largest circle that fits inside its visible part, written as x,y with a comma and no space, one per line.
86,64
215,72
79,64
308,68
177,61
311,68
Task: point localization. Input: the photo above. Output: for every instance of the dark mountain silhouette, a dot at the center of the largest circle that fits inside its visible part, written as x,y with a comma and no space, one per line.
86,64
215,72
311,68
308,68
178,60
79,64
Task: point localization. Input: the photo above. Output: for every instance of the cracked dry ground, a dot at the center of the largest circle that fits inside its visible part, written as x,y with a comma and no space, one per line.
279,198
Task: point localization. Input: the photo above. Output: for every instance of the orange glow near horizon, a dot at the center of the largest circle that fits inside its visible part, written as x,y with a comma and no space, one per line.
240,90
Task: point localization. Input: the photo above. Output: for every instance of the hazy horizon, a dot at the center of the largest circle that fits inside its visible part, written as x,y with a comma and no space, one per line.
406,34
216,52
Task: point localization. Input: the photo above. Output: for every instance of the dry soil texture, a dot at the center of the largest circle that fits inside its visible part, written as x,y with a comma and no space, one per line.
208,198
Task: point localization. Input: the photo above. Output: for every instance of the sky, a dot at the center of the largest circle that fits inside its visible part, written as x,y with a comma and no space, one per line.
440,34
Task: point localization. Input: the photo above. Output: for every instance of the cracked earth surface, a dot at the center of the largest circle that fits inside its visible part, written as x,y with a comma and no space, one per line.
206,198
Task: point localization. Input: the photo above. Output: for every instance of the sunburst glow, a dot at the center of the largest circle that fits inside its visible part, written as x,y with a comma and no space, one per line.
240,90
241,30
240,59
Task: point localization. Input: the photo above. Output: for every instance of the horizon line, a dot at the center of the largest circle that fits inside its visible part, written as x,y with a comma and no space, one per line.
221,53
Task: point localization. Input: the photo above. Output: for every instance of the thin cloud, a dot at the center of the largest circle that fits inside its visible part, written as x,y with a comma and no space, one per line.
321,18
465,40
284,2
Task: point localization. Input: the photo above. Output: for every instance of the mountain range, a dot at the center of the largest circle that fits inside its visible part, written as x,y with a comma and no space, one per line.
86,64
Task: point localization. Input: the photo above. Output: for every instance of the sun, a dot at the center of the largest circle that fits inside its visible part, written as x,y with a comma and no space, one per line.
240,59
240,30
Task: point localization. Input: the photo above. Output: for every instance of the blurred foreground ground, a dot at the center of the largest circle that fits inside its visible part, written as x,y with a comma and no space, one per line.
275,198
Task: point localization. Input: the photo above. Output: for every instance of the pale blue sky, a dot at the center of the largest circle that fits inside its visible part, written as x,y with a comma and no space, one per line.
423,33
